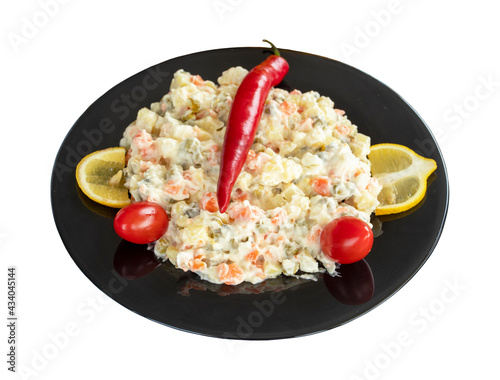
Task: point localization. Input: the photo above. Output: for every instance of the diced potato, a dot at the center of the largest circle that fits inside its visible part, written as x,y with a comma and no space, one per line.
209,124
366,202
234,75
299,138
194,235
291,170
307,263
277,201
291,190
290,267
181,78
244,180
287,147
272,270
146,119
172,253
273,132
315,138
360,145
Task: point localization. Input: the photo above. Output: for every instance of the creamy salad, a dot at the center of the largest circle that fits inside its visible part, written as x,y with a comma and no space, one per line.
308,165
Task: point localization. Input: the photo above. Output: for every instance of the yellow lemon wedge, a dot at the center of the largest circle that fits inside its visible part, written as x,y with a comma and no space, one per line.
402,173
100,176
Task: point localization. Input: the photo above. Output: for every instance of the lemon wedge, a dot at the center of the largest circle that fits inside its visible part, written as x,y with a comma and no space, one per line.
100,176
402,173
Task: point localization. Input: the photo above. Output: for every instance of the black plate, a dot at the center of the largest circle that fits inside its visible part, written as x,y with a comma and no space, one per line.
281,308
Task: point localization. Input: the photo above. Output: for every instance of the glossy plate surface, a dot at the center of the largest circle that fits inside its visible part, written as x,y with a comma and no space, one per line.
280,308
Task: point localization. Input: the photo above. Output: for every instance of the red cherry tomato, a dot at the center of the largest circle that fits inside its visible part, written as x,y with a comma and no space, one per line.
346,239
141,222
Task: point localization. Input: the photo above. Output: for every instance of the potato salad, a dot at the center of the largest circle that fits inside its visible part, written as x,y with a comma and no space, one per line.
307,166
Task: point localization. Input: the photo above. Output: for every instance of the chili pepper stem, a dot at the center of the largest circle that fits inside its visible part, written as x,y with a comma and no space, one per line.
275,49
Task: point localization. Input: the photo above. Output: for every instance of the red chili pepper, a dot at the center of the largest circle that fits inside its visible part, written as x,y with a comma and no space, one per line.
243,121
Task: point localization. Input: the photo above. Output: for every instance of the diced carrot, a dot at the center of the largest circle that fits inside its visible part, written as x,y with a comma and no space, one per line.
334,174
252,255
279,218
342,129
153,198
341,210
261,274
305,126
244,212
197,263
189,185
288,108
339,111
197,80
322,186
250,157
256,161
172,187
230,274
240,196
145,165
314,234
209,202
213,158
145,144
142,139
268,254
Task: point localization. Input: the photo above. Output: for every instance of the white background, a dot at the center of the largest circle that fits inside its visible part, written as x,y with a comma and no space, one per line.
436,55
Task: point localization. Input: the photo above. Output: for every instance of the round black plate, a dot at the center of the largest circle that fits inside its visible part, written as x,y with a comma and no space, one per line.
281,308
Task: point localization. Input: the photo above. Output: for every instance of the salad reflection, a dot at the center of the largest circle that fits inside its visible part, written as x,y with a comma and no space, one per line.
354,285
189,282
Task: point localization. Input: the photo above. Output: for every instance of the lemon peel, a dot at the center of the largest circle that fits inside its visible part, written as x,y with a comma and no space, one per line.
100,177
402,173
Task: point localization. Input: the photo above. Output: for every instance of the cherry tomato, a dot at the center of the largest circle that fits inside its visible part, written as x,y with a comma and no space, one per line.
141,222
346,239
